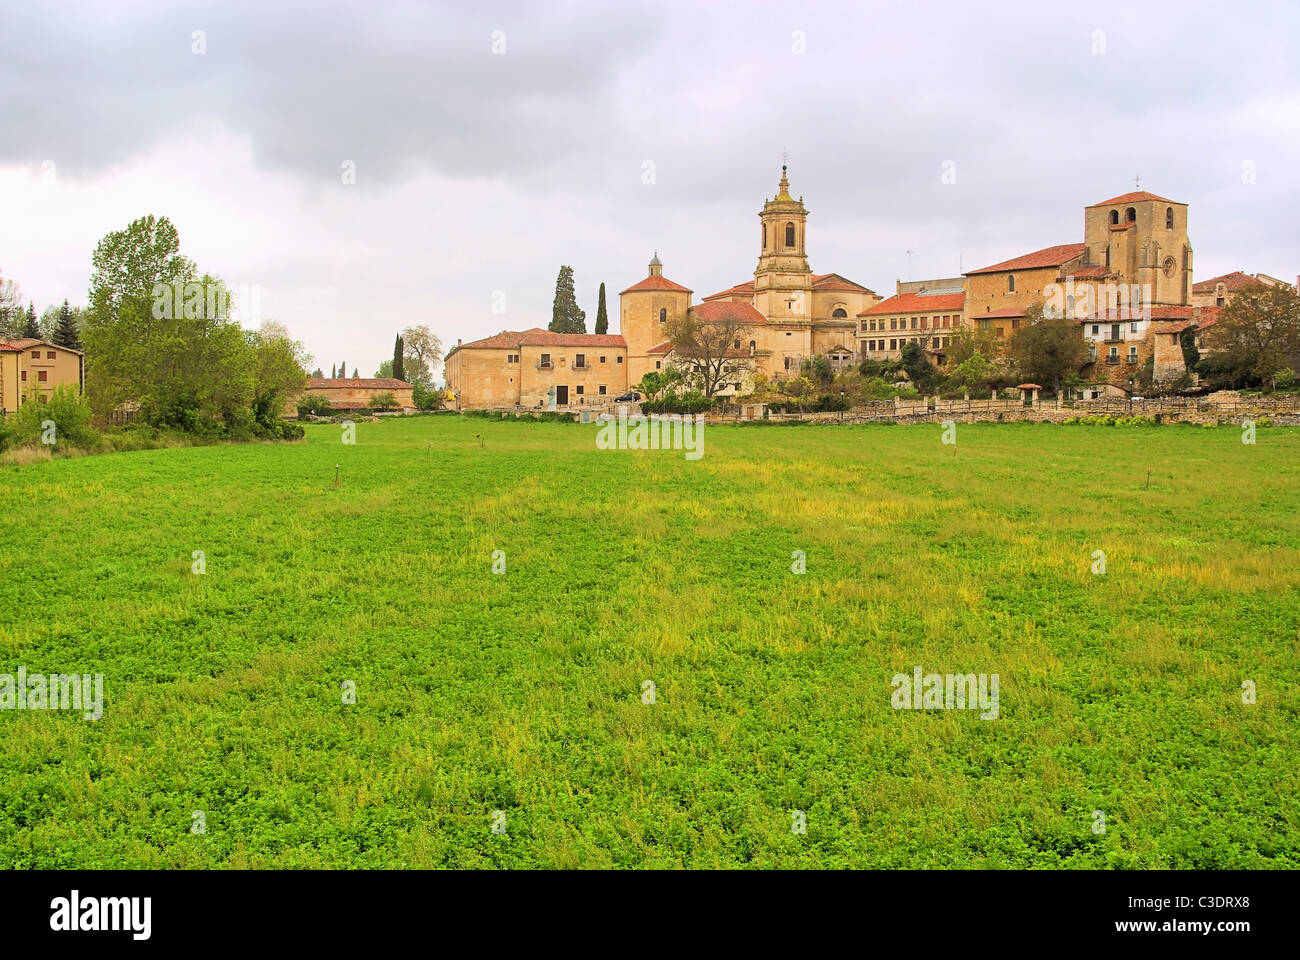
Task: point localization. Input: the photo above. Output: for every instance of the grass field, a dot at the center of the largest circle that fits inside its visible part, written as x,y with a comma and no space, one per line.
522,692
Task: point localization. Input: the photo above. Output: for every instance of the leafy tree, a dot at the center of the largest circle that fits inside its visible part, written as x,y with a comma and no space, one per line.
312,403
1256,338
602,317
423,354
383,400
12,318
973,374
317,374
968,341
385,369
1047,349
704,350
920,371
279,371
656,382
565,315
399,356
68,411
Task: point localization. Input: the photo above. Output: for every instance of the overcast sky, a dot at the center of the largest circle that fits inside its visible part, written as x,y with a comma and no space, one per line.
493,142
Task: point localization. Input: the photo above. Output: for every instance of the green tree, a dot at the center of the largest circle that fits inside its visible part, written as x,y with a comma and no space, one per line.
602,317
1256,338
383,400
280,371
31,327
334,371
565,315
920,371
423,354
66,332
385,369
399,357
973,374
343,370
1047,350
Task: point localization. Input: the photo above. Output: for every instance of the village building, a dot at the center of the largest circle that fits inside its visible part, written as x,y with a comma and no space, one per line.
536,368
353,393
927,312
1220,291
28,365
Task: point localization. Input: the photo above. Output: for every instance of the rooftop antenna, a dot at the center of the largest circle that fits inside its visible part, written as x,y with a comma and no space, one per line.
909,266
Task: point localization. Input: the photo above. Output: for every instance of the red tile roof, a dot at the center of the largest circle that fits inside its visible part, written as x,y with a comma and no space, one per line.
10,348
1232,281
1047,257
1133,198
660,349
720,311
1003,314
22,343
834,281
917,303
364,383
656,283
537,337
1201,317
745,289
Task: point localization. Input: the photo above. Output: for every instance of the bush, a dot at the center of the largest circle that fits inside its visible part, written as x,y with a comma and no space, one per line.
65,409
310,402
690,402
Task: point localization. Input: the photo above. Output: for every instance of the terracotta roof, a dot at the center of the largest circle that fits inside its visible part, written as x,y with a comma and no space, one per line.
1002,314
917,303
834,281
1047,257
740,289
1232,282
1200,317
722,310
22,343
1133,198
1029,386
1090,272
6,347
537,337
656,283
364,383
661,349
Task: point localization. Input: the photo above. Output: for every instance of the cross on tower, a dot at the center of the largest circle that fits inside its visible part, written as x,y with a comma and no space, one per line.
1137,182
785,158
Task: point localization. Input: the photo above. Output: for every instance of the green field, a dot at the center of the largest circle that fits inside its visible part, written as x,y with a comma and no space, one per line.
522,692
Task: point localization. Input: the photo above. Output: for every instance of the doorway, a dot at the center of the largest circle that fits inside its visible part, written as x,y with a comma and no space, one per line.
561,396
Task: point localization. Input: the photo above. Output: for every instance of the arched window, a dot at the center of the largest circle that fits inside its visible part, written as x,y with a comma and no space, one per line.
752,347
1130,215
765,236
1011,283
1114,216
663,316
1169,218
840,314
1069,306
737,344
789,234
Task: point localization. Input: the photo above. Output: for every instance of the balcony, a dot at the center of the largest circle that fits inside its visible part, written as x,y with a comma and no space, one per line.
1112,360
544,365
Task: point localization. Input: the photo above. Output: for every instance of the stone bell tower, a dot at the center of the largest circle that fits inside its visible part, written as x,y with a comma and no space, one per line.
783,279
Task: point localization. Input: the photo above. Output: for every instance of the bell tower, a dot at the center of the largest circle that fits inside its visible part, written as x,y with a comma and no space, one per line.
783,279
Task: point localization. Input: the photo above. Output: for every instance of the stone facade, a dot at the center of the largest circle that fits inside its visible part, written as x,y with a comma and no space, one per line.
531,368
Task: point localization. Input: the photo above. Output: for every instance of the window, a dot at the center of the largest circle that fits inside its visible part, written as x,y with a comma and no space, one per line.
602,359
1132,328
765,236
985,324
40,375
663,316
545,361
579,391
1002,332
1169,218
1131,215
789,234
1092,353
752,347
914,321
1069,306
580,361
1218,301
1132,354
893,344
1011,283
1114,216
601,389
620,359
512,358
49,354
839,313
659,365
24,376
1096,329
36,354
737,343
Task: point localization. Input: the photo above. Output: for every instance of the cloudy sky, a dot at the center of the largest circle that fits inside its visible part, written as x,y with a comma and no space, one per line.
492,142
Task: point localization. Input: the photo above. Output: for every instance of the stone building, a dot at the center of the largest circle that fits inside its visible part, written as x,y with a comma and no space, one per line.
354,393
533,368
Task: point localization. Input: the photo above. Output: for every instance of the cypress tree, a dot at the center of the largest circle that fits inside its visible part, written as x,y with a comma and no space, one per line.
65,330
343,369
399,368
602,318
334,371
565,315
33,329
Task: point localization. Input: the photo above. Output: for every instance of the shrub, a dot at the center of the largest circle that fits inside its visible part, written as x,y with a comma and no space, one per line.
65,409
310,402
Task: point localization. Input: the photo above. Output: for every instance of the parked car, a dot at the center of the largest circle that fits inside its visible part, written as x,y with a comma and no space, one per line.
630,397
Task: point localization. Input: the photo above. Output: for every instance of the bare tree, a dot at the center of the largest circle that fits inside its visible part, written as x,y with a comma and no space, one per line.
423,353
12,318
705,346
